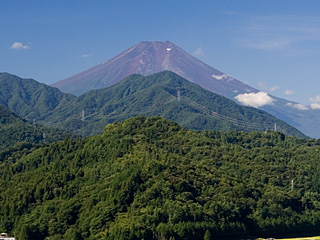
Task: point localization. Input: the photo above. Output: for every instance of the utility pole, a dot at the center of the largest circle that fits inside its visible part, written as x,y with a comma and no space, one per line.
275,127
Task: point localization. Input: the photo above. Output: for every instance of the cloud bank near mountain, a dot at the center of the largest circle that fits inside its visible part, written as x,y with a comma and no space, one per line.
258,99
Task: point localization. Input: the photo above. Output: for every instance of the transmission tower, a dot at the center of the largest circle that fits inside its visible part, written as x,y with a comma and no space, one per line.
82,116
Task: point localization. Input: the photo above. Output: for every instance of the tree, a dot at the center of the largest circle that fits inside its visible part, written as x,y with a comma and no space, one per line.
207,235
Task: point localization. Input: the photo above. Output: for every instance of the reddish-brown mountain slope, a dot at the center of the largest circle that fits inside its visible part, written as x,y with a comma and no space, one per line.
151,57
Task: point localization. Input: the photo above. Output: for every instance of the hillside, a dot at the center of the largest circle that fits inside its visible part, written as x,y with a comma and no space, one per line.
156,94
28,98
164,94
14,129
148,178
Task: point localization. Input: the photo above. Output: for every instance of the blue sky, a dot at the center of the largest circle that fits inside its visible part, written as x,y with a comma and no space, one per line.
272,45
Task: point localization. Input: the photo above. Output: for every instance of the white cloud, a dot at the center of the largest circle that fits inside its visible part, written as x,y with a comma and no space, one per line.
288,92
297,106
224,77
315,99
86,55
199,52
315,106
274,88
19,46
258,99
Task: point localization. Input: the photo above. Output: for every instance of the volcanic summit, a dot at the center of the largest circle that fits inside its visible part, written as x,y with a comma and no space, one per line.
146,58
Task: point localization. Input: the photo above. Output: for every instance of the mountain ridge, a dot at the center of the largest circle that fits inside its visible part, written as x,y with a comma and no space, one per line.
168,95
155,94
29,98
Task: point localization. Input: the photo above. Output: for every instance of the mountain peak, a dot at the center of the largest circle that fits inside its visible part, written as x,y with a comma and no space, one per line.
155,43
146,58
156,48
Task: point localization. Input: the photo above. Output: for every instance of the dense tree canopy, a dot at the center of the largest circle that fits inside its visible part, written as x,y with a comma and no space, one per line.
148,178
14,129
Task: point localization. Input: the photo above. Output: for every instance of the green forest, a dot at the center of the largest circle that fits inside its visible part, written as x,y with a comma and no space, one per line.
149,178
153,95
14,129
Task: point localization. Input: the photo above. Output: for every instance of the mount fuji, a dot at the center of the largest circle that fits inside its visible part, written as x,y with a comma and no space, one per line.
146,58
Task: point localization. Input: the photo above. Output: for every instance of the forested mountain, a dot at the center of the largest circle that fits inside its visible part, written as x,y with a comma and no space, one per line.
14,129
148,178
28,98
163,94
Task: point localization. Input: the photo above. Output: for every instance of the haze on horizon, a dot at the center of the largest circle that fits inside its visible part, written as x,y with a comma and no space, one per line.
270,45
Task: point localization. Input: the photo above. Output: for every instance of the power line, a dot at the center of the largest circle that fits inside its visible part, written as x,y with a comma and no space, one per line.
72,117
234,121
190,102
